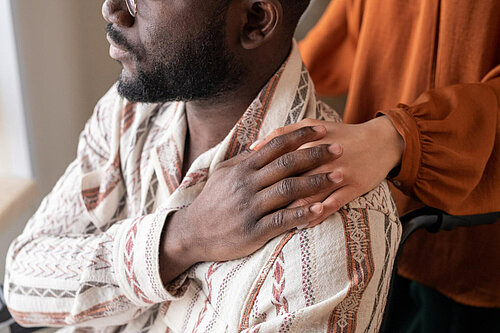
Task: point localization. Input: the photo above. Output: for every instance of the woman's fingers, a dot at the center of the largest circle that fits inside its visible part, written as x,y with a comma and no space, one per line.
340,198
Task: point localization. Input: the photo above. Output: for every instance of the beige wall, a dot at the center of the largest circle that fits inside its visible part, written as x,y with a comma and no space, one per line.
309,19
64,69
4,148
313,13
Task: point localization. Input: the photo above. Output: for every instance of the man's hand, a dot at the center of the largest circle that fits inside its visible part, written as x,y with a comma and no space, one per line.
369,151
244,203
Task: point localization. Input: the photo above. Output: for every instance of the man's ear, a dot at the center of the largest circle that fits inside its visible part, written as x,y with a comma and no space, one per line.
263,18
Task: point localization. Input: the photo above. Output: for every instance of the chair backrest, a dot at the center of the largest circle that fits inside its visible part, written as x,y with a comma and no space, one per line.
434,220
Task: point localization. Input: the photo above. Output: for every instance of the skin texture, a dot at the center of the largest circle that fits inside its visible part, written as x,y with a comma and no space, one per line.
244,194
170,68
367,153
251,192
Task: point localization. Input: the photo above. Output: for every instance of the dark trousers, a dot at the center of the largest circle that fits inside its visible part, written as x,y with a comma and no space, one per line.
415,308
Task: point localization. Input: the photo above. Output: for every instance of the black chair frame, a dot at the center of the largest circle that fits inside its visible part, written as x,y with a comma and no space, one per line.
433,220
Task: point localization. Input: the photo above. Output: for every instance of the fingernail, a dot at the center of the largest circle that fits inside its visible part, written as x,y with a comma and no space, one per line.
301,227
317,208
335,149
319,129
336,177
253,145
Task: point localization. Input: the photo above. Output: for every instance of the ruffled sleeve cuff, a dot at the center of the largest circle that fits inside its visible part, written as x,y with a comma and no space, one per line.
136,254
407,127
450,158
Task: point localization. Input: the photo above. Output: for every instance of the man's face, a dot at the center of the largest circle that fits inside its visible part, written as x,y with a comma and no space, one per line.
175,50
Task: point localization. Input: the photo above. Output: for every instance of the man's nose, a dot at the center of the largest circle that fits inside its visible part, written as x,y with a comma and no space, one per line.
116,12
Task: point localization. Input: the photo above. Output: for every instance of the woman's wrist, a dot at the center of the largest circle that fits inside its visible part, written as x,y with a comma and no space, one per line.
394,145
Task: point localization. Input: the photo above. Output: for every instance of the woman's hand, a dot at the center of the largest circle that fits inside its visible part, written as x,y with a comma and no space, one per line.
369,151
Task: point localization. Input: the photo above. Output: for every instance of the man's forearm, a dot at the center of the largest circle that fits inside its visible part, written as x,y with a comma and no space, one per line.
85,271
67,267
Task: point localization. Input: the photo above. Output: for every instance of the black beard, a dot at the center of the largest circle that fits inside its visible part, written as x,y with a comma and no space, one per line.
199,68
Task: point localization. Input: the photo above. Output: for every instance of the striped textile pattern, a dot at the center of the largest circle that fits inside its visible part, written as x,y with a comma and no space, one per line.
88,259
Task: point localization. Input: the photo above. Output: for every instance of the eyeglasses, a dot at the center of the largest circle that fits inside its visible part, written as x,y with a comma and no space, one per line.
132,7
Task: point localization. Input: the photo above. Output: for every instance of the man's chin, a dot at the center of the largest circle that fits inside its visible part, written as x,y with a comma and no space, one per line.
157,87
137,91
130,89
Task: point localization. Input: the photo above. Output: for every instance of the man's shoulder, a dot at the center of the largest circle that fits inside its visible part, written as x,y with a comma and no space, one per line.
379,199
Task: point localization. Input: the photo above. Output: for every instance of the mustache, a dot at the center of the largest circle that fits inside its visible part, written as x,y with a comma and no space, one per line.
118,38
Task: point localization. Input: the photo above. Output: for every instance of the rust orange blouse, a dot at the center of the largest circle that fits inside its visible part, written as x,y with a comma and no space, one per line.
432,67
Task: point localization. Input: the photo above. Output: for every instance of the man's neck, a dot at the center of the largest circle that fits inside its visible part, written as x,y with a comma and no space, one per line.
209,121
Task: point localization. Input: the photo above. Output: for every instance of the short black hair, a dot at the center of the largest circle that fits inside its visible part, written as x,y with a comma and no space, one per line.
293,10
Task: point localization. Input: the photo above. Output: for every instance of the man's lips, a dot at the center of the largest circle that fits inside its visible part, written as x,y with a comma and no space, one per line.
115,51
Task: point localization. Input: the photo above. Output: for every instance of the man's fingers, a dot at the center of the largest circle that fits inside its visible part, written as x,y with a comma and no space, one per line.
285,130
319,197
286,143
277,132
235,160
295,163
332,204
291,189
286,219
